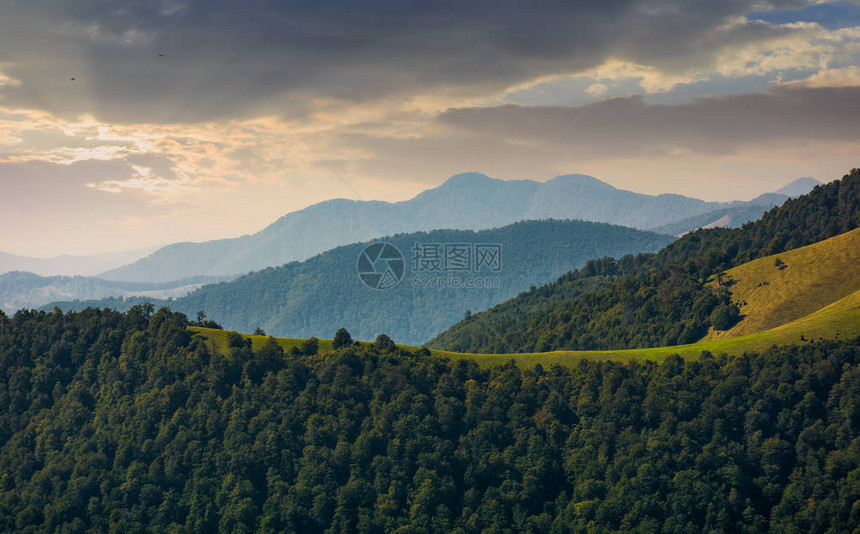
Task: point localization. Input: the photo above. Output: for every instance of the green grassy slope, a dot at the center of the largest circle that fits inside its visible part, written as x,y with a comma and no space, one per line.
778,289
838,320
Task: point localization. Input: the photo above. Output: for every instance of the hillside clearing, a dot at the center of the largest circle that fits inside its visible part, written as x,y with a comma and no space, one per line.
781,288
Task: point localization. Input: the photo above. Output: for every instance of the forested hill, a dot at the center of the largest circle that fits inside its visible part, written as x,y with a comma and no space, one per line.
318,296
130,423
654,300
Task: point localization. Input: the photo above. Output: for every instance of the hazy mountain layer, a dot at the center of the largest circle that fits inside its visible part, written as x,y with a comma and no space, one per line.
466,201
66,265
318,296
27,290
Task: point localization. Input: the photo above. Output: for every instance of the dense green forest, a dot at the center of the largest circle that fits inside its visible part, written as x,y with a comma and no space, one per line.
658,299
318,296
129,423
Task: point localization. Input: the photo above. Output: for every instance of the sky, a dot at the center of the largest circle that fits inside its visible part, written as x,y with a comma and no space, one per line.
129,123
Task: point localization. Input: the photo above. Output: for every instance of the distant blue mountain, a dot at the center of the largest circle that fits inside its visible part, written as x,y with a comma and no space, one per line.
736,214
469,201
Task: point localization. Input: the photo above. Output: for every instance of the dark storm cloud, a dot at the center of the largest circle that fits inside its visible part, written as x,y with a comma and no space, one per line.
238,57
712,125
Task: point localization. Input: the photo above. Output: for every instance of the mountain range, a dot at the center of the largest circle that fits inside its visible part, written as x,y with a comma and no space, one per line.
465,201
317,296
469,201
67,265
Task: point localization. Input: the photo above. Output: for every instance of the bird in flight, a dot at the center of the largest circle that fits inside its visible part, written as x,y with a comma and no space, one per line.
72,79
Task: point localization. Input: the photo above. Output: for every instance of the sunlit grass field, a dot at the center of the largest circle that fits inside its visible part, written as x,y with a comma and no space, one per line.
782,288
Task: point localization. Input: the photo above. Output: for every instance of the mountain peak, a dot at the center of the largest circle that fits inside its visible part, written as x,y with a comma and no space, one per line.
801,186
468,178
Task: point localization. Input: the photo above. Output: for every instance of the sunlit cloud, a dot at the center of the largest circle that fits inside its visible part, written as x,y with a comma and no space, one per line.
145,181
596,89
8,81
807,46
651,79
738,48
843,77
207,156
68,156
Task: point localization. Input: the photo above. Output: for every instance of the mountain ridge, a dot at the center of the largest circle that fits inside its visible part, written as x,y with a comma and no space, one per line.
465,201
323,293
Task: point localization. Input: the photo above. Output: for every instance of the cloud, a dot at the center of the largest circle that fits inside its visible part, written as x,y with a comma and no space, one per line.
650,78
239,59
145,180
689,147
596,89
181,159
801,45
844,77
620,126
8,81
